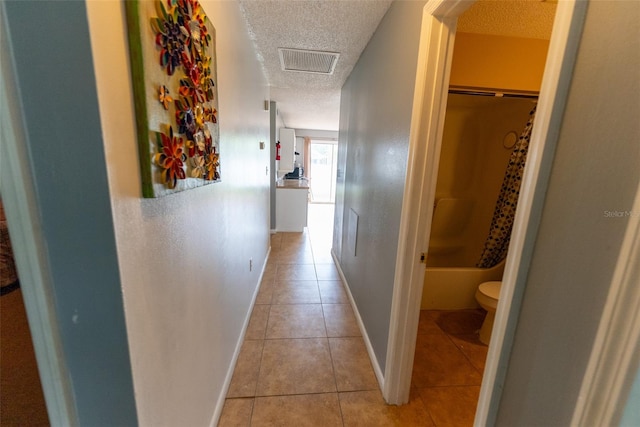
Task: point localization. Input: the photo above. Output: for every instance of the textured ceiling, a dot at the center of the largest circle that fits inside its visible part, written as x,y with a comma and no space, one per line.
312,101
521,18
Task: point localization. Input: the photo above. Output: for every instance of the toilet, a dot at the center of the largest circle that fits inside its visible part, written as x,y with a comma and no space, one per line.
487,296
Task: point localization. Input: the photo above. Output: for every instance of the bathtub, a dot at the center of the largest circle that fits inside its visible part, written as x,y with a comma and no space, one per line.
454,288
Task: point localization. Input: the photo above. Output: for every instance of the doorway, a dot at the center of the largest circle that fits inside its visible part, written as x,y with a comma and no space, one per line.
472,165
323,170
434,68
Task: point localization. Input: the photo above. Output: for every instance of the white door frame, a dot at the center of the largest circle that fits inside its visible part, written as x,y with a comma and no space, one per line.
432,81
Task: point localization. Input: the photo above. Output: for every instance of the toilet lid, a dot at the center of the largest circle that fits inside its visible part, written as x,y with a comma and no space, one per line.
491,289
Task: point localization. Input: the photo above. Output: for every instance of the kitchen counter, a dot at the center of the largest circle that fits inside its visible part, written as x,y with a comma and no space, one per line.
291,206
302,183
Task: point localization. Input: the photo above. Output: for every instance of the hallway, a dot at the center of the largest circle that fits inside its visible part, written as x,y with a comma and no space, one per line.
304,361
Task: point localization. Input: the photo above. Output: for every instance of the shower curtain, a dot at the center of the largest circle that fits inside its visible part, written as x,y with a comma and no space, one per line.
497,243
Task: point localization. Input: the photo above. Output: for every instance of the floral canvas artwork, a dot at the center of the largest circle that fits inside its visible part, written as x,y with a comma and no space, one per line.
173,68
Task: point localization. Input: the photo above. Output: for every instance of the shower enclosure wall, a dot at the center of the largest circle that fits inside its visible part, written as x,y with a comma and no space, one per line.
479,133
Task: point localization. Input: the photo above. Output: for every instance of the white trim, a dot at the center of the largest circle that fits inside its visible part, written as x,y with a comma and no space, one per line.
28,248
616,351
429,107
427,124
217,412
447,8
363,330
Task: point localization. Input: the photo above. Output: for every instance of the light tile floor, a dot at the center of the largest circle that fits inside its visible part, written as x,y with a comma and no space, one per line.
304,361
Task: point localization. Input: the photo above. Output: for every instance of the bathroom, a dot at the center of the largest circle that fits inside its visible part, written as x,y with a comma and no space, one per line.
479,135
496,75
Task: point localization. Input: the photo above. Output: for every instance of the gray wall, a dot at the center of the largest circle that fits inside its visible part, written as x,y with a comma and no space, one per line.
631,415
374,141
56,80
596,169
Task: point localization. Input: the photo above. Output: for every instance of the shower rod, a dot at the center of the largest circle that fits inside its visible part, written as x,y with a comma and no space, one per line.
494,94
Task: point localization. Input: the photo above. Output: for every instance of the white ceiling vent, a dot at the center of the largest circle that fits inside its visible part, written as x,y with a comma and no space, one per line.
308,61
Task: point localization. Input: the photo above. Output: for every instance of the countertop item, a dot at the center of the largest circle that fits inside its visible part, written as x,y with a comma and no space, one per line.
302,183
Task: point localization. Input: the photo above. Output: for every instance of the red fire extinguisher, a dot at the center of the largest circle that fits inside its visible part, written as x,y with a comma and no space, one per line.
278,150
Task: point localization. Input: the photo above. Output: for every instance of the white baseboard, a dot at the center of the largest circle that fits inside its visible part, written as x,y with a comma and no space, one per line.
232,366
363,330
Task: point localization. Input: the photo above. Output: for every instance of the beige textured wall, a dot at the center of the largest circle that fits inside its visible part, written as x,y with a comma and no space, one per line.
473,161
498,62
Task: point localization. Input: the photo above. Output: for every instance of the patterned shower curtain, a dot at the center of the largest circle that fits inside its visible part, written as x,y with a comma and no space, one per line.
497,243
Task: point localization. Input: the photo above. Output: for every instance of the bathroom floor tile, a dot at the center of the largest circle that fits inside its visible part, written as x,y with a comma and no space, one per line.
296,366
340,320
236,412
438,362
301,410
296,321
473,349
295,272
368,409
332,292
351,365
451,406
296,292
460,321
245,375
427,323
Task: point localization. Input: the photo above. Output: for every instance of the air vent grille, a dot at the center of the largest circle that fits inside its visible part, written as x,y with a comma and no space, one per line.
308,61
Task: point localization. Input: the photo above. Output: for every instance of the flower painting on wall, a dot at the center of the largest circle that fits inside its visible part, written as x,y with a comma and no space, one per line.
173,68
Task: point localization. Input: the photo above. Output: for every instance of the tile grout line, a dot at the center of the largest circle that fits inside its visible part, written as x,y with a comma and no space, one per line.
325,337
255,396
255,392
335,380
324,318
463,354
264,335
